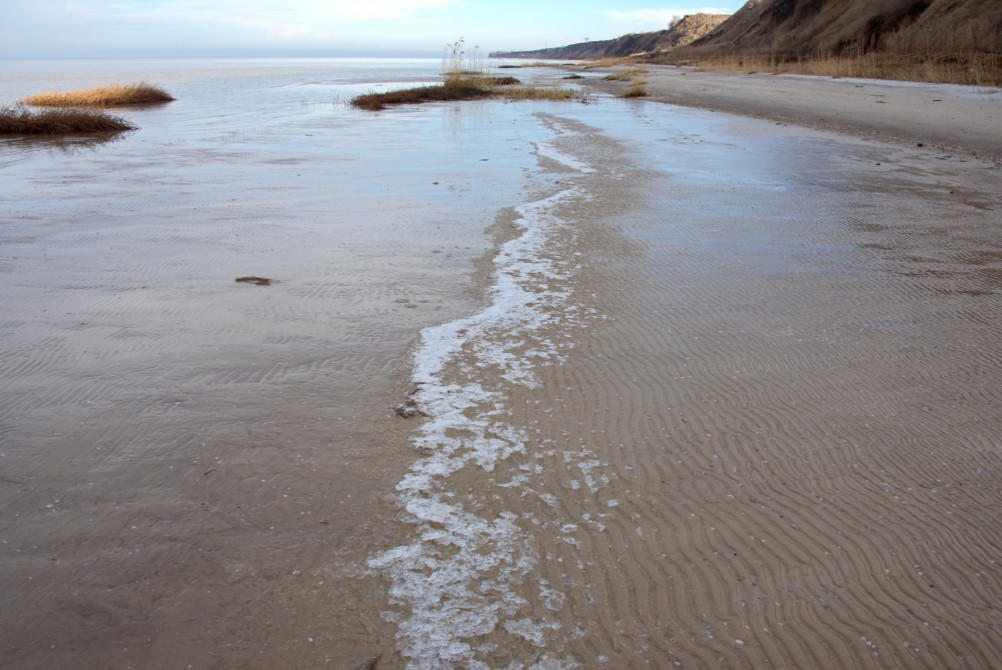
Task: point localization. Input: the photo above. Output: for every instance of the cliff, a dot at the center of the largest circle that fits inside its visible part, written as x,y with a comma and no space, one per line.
812,27
686,31
859,26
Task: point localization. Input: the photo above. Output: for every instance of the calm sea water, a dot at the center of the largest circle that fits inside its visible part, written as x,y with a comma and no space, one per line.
125,335
272,133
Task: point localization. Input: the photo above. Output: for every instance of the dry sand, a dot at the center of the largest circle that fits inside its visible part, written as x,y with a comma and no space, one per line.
765,433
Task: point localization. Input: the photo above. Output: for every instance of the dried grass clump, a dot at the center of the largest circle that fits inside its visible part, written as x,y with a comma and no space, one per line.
105,96
606,62
636,90
374,102
627,75
538,93
464,77
19,120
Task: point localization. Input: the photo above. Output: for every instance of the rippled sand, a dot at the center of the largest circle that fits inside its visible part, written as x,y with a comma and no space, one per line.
764,432
721,394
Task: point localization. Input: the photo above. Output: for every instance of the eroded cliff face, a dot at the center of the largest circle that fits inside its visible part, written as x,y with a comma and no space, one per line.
837,26
686,31
814,27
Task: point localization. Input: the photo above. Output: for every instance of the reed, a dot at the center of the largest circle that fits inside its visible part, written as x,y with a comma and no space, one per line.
19,120
462,66
465,76
120,95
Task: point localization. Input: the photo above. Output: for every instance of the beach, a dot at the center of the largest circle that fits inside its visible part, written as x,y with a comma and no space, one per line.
622,384
948,117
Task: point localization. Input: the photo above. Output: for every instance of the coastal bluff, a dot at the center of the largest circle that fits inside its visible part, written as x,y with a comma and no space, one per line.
687,30
808,28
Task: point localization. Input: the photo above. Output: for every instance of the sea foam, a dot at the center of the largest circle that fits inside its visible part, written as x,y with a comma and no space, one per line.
456,579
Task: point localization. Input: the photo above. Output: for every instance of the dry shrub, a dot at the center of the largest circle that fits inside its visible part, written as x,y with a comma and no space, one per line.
19,120
104,96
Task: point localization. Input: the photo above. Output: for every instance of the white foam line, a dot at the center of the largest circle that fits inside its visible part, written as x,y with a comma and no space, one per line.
546,149
457,578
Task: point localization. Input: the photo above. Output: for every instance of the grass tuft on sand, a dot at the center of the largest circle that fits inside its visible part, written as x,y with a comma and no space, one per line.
637,90
530,92
19,120
464,77
119,95
626,75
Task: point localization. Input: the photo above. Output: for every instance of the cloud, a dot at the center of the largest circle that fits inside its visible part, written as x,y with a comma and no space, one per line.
337,10
268,21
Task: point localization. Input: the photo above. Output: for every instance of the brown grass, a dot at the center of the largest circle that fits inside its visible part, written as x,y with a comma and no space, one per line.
626,75
19,120
606,62
464,77
971,68
636,90
374,102
529,92
105,96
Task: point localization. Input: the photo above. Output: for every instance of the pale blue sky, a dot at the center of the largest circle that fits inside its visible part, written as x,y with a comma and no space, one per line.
61,28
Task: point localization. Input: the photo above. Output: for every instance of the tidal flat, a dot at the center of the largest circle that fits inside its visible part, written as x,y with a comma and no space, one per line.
690,389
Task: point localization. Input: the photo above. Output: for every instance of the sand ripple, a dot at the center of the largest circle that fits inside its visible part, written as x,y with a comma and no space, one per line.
772,442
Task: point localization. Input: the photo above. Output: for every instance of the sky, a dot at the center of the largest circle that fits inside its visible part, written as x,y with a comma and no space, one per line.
136,28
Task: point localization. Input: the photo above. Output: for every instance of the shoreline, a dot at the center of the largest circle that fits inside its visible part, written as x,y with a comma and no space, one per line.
706,391
947,117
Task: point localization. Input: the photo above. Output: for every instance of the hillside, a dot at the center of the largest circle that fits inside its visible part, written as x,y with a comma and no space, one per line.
807,27
686,31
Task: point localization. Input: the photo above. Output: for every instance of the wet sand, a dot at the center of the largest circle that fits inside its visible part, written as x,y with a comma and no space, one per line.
768,436
955,118
719,393
787,430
